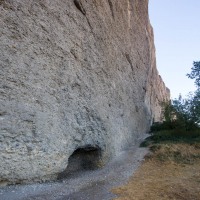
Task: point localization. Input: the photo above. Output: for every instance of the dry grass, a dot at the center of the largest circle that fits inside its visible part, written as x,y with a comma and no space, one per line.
171,172
179,153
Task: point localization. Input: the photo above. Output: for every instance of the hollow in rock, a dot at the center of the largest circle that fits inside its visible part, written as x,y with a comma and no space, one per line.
84,158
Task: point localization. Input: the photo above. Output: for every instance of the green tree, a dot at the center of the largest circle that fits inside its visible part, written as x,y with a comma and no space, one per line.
168,111
195,73
185,113
195,107
194,103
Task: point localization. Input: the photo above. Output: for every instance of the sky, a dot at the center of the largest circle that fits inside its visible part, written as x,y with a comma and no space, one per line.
176,25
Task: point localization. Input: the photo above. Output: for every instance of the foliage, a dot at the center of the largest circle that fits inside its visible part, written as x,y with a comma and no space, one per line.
179,114
177,138
194,101
169,111
181,117
195,73
173,136
182,113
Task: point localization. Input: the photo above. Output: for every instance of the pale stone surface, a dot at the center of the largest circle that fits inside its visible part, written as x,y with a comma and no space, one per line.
73,74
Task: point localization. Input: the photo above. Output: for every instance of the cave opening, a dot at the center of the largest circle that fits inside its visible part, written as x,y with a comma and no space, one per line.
82,159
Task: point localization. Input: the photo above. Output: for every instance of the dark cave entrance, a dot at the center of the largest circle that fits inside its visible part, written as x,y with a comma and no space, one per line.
82,159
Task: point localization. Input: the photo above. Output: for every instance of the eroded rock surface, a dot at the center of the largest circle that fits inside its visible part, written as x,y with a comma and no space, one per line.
74,74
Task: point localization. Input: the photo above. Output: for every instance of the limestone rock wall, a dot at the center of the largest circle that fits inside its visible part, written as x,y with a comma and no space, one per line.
74,74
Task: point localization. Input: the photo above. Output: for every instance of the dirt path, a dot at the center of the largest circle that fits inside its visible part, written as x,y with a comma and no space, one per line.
90,185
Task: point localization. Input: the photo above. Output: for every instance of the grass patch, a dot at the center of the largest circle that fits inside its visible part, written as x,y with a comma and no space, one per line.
172,136
162,181
173,145
179,153
170,171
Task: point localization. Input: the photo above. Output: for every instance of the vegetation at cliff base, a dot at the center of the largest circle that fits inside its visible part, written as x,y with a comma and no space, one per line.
172,168
181,117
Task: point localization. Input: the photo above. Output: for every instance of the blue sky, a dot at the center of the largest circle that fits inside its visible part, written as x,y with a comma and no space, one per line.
176,25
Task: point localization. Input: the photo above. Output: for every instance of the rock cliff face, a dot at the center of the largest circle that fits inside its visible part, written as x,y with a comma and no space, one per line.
76,76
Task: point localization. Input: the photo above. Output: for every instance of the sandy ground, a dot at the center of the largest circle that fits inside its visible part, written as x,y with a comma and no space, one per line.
87,185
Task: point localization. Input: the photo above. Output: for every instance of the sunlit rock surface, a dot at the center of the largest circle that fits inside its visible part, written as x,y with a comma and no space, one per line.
75,74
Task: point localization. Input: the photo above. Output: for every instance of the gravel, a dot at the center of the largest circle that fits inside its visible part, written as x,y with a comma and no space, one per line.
86,185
